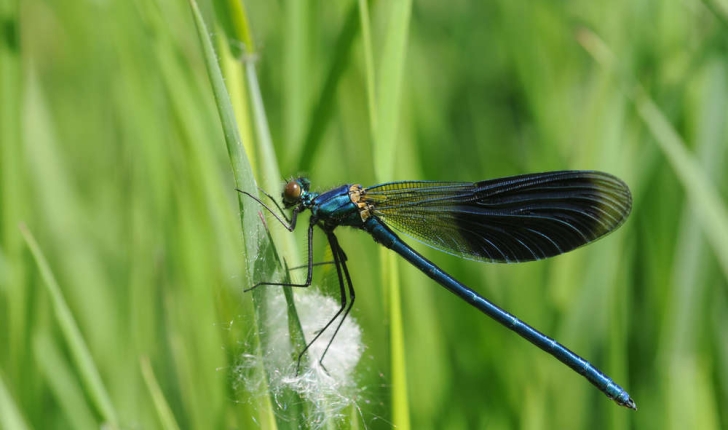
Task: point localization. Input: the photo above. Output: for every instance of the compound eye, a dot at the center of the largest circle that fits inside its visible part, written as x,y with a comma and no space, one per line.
292,192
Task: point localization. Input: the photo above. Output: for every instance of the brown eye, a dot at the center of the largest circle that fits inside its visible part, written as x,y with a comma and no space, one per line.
292,192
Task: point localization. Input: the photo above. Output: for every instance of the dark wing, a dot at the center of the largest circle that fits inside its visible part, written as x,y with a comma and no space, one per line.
519,218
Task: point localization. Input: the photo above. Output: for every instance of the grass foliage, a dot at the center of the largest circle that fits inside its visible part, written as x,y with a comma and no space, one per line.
125,127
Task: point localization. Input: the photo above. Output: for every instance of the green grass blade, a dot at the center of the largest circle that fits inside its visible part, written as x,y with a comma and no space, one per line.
242,171
63,383
322,113
241,25
235,75
164,412
10,415
390,80
688,289
700,189
253,236
366,33
385,126
267,158
287,414
296,70
13,198
238,90
80,352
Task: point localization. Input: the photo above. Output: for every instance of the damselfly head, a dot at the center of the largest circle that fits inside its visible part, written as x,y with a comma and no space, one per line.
294,190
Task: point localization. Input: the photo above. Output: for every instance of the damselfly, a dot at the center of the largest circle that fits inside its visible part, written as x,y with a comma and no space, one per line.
507,220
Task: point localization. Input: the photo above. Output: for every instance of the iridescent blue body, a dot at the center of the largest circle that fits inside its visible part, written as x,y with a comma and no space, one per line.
334,208
521,218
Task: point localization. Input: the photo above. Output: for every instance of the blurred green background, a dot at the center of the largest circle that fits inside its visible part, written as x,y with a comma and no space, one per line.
113,157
